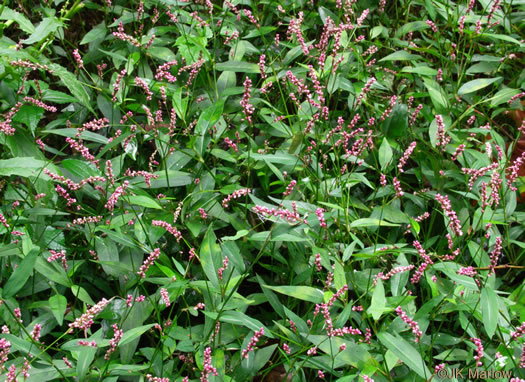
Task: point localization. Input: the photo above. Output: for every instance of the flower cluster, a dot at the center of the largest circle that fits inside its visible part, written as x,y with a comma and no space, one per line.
406,155
207,367
247,108
454,222
289,216
426,262
394,271
117,336
413,324
320,216
154,255
85,321
221,270
479,351
494,255
289,188
58,255
168,227
253,342
165,296
236,194
113,199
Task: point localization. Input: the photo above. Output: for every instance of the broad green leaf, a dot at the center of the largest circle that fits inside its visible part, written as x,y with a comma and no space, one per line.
119,237
237,67
162,53
400,55
86,355
57,97
21,166
371,222
20,19
304,293
489,310
134,333
47,25
405,352
501,37
423,70
74,85
58,305
21,274
385,154
502,96
208,118
377,307
168,178
272,298
260,31
396,125
48,271
239,318
96,33
82,294
354,355
210,256
414,26
438,98
475,85
144,201
72,132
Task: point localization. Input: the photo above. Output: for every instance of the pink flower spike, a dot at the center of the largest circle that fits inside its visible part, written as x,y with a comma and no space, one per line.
413,324
253,343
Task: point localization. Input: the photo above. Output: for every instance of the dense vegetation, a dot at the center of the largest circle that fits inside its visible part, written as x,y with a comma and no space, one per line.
277,190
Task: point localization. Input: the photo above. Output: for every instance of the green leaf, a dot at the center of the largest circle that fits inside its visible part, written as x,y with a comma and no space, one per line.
47,25
74,85
21,274
210,256
237,67
260,32
377,307
414,26
96,33
238,318
504,95
489,310
475,85
20,19
502,37
208,118
423,70
134,333
354,355
72,132
21,166
58,305
385,154
371,222
396,125
272,297
49,272
162,53
437,96
405,352
82,294
144,201
57,97
304,293
400,55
